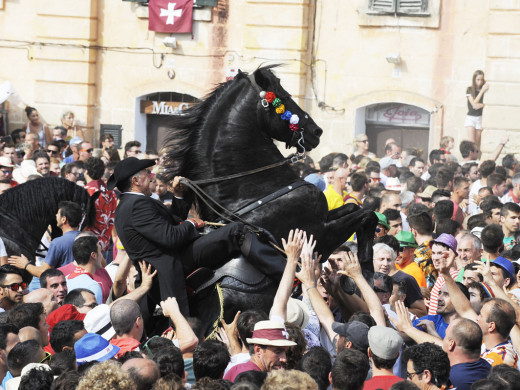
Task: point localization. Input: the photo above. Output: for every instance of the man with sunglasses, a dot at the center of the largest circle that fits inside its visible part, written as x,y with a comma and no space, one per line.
6,170
53,150
12,287
85,151
374,176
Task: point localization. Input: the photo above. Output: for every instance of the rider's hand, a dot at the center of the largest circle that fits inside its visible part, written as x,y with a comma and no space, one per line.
198,223
178,189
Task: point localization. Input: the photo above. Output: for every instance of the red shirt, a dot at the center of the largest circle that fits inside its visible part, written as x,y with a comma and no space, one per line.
101,276
239,368
383,382
125,344
106,205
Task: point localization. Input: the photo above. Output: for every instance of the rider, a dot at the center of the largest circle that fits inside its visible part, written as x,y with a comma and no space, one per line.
150,231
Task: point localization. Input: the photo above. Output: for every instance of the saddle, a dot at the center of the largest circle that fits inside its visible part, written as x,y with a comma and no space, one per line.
238,269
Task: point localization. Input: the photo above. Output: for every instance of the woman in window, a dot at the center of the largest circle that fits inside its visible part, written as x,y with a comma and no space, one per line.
475,95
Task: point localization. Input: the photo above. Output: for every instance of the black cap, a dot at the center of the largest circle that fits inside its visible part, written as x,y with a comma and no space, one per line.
355,331
125,169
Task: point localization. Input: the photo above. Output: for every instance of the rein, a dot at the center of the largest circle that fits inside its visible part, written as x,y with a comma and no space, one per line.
293,158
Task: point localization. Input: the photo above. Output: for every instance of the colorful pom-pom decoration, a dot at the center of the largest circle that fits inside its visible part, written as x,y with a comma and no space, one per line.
294,120
294,127
276,102
280,109
286,115
262,94
269,96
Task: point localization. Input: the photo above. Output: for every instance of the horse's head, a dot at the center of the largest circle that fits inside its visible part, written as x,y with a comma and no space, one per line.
285,120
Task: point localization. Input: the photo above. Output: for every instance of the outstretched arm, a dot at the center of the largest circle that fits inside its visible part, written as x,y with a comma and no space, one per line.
494,155
188,341
353,269
308,279
461,304
293,247
404,325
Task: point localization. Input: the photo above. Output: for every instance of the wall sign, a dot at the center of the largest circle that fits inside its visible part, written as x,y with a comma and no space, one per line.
395,114
151,107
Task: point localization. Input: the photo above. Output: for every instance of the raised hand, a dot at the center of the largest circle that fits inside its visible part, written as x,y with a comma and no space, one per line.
306,274
294,245
147,275
351,264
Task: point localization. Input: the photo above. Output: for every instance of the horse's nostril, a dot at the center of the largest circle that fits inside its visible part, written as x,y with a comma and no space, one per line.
318,132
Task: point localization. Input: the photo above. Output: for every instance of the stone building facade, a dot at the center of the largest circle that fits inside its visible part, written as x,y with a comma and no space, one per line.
385,67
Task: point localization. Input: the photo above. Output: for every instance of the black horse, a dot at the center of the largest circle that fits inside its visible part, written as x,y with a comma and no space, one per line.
27,210
231,132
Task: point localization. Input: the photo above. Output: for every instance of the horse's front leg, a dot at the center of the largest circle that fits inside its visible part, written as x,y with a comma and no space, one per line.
342,224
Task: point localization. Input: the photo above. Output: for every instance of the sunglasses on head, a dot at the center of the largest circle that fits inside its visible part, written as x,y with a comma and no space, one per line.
15,286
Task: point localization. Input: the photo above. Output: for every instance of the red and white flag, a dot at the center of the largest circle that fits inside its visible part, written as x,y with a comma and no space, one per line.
170,16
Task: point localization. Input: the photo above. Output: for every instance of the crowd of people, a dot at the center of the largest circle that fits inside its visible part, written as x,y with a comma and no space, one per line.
435,307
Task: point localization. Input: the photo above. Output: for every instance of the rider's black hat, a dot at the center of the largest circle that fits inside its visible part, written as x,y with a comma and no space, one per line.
125,169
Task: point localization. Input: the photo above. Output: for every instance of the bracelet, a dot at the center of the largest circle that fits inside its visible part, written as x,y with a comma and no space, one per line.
25,268
310,288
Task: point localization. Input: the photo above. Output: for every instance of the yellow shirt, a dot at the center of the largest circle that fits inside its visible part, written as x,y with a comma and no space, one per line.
334,200
414,270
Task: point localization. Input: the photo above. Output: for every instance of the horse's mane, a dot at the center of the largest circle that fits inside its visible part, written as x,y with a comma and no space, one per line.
180,156
39,199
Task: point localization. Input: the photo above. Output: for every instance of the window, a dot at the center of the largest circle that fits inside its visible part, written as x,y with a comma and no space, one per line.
399,7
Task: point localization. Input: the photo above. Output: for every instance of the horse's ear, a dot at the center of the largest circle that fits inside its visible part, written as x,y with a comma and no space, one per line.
240,72
261,80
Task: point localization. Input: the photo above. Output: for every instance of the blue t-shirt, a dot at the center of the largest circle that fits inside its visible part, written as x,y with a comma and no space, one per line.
85,281
60,250
440,325
8,376
69,159
188,367
463,375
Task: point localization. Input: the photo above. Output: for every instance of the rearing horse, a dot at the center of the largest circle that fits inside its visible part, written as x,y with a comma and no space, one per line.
232,131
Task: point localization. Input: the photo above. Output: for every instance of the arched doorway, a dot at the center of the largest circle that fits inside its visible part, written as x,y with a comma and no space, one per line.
155,112
409,125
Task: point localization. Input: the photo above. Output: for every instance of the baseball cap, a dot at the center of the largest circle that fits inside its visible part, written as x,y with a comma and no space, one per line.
384,342
382,220
75,141
446,239
406,239
506,265
271,333
64,313
92,347
316,179
355,331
